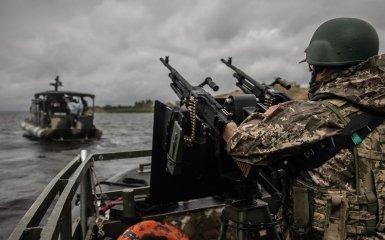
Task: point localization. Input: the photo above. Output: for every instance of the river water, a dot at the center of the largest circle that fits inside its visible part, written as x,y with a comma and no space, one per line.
27,166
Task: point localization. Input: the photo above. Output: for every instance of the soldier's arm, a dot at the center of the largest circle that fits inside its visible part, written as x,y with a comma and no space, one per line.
231,127
289,126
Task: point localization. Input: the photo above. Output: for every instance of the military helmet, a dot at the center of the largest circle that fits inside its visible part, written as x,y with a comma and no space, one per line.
342,42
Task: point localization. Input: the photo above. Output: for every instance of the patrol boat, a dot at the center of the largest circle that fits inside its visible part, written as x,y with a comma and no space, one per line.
61,116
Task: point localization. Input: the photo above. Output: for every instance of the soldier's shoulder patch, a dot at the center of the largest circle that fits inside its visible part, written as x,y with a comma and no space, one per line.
336,102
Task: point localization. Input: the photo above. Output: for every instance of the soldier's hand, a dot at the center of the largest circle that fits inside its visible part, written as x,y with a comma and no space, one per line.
270,110
229,130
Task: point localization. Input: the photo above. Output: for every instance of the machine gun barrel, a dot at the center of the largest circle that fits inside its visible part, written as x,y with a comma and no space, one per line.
245,82
180,85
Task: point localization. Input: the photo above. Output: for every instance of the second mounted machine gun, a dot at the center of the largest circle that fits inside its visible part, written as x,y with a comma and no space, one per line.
259,95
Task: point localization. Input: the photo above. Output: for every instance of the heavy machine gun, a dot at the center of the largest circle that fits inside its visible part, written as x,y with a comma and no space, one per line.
199,102
266,95
189,156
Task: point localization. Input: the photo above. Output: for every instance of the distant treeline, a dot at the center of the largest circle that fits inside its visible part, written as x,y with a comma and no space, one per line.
296,92
138,107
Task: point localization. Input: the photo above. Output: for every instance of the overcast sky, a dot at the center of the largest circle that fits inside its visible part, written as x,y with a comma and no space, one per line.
112,47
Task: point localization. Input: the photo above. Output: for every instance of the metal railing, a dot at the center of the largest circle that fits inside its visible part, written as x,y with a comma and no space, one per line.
59,195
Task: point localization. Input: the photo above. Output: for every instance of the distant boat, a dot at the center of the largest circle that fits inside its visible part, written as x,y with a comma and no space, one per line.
61,116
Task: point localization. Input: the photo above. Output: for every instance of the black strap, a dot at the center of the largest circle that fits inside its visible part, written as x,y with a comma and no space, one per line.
354,132
322,96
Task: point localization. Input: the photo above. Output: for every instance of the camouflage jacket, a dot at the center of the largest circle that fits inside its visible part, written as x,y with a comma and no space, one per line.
295,124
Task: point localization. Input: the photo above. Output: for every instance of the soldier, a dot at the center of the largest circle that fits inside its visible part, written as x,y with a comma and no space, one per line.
333,145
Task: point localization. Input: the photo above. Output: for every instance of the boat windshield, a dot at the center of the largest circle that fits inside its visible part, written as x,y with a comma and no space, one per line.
62,104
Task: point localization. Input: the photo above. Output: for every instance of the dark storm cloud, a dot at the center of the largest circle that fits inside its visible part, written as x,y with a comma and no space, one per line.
112,48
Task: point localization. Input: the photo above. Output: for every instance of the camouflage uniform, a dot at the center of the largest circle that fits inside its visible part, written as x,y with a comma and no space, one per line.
354,178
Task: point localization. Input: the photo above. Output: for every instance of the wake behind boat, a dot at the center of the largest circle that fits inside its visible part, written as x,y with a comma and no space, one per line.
61,116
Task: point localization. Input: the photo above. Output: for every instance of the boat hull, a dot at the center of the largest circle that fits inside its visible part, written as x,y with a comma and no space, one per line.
60,134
